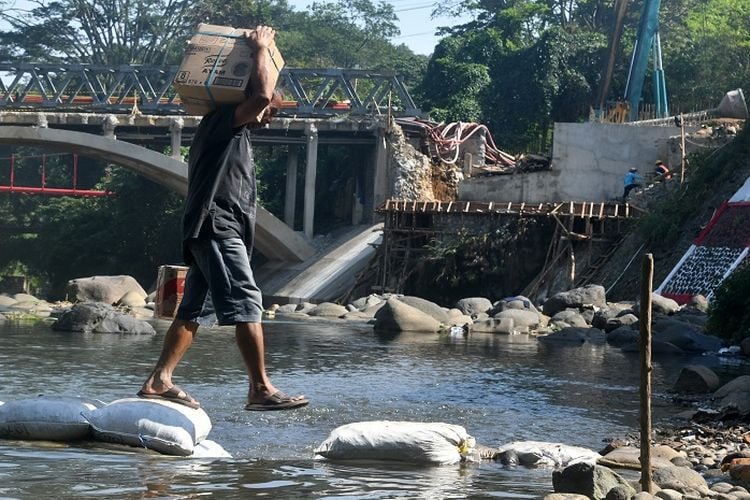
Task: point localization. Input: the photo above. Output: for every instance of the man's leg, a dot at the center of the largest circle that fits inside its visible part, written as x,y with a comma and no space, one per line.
249,338
176,343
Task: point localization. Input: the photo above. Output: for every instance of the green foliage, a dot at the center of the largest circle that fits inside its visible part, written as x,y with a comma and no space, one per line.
58,239
117,32
491,264
517,92
662,227
729,313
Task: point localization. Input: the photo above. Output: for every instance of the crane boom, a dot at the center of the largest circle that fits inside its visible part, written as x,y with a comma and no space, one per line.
647,39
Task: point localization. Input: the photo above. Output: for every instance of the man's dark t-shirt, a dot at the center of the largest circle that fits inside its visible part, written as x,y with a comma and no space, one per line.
221,182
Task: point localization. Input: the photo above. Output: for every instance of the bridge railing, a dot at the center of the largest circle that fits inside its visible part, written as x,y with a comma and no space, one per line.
120,89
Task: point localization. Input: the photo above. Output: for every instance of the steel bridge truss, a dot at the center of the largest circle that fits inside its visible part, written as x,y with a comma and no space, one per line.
148,89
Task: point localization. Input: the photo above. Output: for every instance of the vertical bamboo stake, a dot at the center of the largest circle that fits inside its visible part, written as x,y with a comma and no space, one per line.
682,150
647,277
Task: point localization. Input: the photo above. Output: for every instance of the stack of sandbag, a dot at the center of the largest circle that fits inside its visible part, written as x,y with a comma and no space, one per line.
168,428
46,418
414,442
543,454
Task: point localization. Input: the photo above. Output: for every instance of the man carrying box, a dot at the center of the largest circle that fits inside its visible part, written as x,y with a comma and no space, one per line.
218,230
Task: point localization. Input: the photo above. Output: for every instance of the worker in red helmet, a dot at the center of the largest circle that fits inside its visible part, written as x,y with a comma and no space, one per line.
662,171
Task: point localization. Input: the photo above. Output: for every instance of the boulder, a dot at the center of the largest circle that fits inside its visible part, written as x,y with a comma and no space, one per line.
107,289
735,395
328,310
35,307
618,493
356,316
578,297
667,494
456,318
658,347
698,303
96,317
398,316
570,316
745,346
659,305
492,325
6,301
594,481
520,317
696,319
682,479
372,309
516,302
365,302
611,310
474,305
629,457
696,379
689,339
629,320
427,307
286,309
575,335
305,307
565,496
663,305
132,299
25,297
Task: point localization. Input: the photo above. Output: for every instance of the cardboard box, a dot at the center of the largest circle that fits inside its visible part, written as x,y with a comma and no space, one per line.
216,68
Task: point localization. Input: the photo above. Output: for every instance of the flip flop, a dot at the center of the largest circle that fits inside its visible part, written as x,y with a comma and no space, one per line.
278,401
173,395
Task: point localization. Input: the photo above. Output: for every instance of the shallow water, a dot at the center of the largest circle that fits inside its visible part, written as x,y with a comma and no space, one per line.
501,388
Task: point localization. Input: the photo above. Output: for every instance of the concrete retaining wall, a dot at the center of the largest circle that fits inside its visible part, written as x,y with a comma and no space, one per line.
589,163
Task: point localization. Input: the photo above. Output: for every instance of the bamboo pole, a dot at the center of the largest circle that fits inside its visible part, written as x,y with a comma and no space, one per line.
682,150
647,278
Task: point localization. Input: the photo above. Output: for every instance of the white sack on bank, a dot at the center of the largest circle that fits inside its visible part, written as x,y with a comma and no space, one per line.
48,418
415,442
540,454
169,428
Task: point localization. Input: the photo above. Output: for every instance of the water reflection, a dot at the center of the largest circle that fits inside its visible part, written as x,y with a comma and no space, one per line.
501,388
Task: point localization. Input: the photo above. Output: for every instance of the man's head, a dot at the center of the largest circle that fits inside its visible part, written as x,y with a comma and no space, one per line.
659,162
633,169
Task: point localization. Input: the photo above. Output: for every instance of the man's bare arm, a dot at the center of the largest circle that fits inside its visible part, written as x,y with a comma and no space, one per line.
262,77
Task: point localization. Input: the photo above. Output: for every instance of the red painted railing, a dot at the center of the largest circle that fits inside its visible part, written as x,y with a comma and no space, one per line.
43,189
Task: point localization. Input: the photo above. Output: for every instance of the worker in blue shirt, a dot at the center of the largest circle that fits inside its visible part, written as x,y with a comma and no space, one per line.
632,181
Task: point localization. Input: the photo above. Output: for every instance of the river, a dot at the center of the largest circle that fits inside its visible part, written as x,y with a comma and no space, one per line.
500,388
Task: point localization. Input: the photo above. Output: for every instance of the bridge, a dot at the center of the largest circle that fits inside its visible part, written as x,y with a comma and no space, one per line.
110,113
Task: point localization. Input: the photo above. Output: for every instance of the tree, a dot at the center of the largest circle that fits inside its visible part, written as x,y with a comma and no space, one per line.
96,31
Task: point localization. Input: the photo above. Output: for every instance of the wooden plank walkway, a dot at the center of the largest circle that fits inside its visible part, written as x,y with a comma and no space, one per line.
583,209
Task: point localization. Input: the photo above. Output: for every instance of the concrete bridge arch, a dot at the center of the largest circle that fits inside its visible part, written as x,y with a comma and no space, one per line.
273,238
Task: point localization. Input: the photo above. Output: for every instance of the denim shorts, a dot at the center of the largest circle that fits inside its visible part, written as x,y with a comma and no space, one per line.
219,285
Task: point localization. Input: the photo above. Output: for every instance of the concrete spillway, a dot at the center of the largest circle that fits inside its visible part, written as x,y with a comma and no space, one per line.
327,275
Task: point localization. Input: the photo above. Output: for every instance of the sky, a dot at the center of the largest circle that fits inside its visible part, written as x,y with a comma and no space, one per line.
417,29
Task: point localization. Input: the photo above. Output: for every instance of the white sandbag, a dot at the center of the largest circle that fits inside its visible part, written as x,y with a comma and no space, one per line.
210,449
49,418
415,442
169,428
541,454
